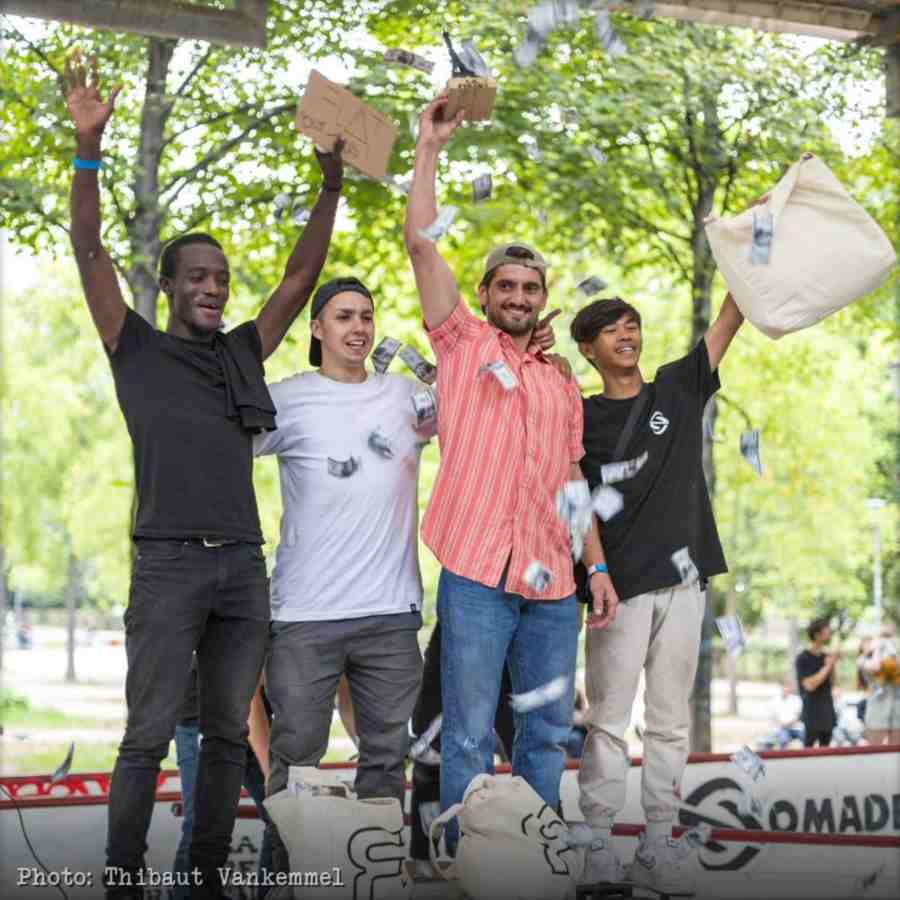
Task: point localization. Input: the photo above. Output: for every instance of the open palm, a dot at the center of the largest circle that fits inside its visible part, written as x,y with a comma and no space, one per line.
87,109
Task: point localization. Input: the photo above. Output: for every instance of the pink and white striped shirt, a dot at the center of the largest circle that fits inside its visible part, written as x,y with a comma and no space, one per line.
504,455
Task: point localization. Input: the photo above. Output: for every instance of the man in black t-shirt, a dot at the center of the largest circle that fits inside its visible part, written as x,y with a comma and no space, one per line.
192,399
814,680
666,510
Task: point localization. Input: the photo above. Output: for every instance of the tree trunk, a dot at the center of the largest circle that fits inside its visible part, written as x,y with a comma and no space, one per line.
701,285
72,591
144,223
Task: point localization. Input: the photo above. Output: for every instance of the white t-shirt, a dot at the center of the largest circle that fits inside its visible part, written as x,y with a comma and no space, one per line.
348,545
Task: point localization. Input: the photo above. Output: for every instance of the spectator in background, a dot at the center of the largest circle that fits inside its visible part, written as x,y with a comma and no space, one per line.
883,709
815,668
787,712
863,682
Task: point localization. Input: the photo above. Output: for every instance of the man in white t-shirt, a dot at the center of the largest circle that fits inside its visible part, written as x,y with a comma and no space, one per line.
346,589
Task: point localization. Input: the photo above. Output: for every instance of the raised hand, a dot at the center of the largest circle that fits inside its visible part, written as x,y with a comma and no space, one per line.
433,128
87,109
332,166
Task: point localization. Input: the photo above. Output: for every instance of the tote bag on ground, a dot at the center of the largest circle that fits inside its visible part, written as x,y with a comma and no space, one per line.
826,252
511,844
354,848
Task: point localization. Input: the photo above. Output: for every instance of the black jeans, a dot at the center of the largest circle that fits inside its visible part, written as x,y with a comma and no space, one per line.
185,596
426,781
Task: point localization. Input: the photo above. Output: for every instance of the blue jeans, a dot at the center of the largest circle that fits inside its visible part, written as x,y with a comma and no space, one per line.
483,627
187,753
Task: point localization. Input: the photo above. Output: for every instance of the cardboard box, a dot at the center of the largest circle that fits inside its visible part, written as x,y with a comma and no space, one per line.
475,95
328,111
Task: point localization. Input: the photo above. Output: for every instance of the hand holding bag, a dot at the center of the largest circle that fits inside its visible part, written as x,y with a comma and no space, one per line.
826,252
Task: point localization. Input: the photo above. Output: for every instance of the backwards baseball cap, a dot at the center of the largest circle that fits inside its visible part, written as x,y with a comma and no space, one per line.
320,298
515,255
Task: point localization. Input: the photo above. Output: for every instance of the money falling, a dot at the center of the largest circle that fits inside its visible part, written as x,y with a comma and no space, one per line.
684,565
607,502
537,577
750,449
591,285
732,633
550,692
62,770
423,742
606,34
502,373
424,370
749,763
380,444
425,407
405,58
439,227
383,355
482,188
343,468
612,473
761,243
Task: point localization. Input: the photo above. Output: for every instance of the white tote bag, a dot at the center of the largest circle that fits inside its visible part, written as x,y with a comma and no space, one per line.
511,844
826,252
340,847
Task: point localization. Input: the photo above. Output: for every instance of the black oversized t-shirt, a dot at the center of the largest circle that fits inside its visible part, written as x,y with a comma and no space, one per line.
818,707
667,505
193,465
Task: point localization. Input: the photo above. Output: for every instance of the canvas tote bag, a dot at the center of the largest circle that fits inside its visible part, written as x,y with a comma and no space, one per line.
327,829
826,252
511,844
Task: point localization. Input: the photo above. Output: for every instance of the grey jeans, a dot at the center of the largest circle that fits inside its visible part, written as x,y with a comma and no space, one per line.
381,657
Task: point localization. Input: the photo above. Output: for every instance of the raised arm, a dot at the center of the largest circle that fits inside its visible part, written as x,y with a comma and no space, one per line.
90,113
438,291
307,258
720,334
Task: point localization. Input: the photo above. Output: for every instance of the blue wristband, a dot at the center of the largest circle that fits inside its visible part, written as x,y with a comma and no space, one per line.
597,567
92,164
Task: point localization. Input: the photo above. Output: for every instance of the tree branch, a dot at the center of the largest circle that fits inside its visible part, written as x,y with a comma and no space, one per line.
215,155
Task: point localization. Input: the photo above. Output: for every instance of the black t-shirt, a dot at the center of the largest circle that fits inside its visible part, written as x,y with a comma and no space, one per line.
818,707
667,505
193,465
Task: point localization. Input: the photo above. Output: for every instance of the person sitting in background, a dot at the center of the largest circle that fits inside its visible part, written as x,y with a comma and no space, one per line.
787,711
814,676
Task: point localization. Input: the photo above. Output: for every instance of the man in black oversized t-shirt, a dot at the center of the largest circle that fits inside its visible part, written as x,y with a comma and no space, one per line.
192,399
814,680
665,511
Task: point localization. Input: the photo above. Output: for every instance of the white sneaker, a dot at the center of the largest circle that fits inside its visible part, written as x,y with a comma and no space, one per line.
601,865
658,866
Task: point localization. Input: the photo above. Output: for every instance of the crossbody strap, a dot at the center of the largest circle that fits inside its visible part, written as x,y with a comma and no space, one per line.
640,404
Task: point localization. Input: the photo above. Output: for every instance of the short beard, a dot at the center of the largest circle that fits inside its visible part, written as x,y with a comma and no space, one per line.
526,327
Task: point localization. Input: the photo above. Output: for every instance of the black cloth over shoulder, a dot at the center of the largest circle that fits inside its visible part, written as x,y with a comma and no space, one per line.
191,408
667,504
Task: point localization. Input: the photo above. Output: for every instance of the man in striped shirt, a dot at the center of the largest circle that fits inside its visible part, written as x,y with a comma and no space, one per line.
509,428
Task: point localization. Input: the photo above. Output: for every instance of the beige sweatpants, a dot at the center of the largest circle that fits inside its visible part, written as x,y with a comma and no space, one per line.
660,633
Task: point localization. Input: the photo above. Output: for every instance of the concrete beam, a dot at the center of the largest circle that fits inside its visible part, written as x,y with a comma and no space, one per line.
245,25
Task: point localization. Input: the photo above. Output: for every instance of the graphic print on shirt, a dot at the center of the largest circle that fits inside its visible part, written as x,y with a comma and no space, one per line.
658,422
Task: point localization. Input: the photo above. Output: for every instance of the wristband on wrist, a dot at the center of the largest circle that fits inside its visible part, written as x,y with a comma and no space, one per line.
90,164
597,567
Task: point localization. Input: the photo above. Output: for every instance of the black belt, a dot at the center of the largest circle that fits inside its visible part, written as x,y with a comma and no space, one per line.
206,542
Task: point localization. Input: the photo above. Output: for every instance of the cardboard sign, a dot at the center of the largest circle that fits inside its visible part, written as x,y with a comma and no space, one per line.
475,95
328,111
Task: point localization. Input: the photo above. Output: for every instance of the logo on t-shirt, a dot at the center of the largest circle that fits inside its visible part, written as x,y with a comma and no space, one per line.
658,422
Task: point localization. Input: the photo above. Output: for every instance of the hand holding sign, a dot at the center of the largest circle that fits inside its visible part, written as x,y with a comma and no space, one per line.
328,112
